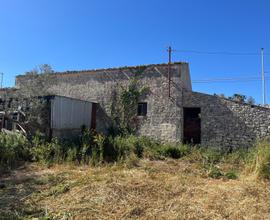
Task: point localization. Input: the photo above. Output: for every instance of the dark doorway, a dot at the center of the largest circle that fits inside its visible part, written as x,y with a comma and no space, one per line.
192,126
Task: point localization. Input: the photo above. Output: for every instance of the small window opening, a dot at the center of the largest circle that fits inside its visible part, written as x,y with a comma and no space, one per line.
142,109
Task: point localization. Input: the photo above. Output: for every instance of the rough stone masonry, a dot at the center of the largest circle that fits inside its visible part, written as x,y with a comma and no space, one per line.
185,116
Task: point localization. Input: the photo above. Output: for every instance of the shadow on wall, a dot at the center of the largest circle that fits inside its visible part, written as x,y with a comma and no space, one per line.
104,121
226,123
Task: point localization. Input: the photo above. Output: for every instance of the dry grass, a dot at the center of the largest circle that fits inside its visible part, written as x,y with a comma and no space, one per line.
170,189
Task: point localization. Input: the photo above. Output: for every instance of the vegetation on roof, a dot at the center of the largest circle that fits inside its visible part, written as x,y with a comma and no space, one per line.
107,69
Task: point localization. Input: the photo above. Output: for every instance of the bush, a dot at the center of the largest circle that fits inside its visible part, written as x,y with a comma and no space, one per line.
231,175
13,149
211,156
258,161
72,155
47,152
85,146
93,148
120,148
151,148
124,147
97,149
237,157
174,151
138,149
214,172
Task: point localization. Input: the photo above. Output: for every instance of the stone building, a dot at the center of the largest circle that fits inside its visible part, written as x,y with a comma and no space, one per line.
172,111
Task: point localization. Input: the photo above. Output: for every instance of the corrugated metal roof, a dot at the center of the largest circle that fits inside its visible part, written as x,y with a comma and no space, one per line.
53,96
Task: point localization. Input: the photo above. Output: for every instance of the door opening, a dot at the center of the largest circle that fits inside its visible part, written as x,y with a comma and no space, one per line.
192,126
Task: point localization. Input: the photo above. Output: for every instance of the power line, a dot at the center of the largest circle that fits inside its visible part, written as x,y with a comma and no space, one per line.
219,52
221,80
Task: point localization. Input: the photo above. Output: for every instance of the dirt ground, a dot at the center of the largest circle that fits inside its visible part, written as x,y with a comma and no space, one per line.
169,189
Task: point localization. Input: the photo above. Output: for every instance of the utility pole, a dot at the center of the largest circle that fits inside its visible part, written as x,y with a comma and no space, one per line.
263,77
2,75
169,68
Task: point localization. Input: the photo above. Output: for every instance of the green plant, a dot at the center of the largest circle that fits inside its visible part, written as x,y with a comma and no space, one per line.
231,175
59,189
258,160
236,157
174,151
214,172
123,148
13,149
124,106
85,146
72,154
138,149
97,149
211,155
47,151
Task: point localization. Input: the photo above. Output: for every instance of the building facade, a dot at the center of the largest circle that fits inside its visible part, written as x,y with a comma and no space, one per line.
171,111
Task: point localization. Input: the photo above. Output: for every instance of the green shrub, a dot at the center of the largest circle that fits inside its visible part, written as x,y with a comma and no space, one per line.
59,189
138,149
237,157
211,155
174,151
231,175
109,150
93,148
47,152
97,149
72,154
152,149
85,146
214,172
13,149
123,147
120,148
258,161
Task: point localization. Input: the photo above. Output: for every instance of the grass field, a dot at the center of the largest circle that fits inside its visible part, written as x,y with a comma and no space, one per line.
144,189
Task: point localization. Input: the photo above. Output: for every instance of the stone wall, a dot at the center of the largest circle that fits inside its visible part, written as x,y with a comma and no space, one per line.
164,116
225,123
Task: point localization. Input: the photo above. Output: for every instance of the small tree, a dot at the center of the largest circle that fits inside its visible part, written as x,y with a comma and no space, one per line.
238,97
37,82
29,98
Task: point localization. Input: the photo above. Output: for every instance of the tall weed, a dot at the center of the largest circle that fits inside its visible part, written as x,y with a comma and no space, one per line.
13,149
258,161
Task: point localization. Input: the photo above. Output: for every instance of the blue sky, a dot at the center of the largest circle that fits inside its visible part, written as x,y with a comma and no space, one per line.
86,34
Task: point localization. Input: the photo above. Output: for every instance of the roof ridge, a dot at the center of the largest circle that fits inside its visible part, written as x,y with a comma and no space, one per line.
109,69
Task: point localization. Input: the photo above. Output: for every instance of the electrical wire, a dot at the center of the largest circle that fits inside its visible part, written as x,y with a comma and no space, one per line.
222,80
219,52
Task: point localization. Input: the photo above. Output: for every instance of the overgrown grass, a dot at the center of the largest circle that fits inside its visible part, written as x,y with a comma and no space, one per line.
258,161
14,148
159,189
95,149
133,177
